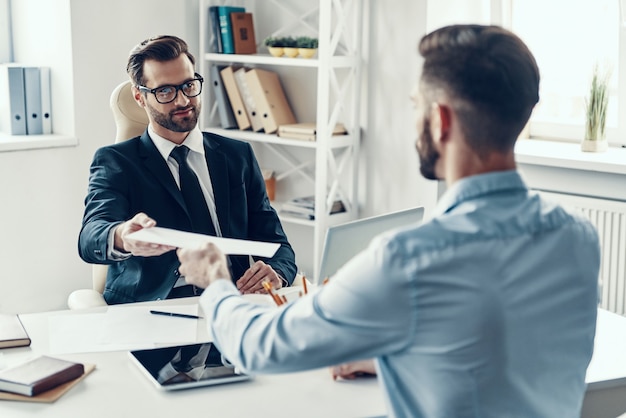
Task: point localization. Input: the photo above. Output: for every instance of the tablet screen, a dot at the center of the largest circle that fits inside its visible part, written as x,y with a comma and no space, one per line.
186,366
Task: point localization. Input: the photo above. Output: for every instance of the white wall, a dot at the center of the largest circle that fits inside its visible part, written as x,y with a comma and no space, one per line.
87,43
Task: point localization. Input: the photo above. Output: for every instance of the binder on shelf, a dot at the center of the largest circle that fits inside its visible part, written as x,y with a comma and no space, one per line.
46,100
224,110
32,92
214,22
226,27
12,100
236,102
248,101
306,131
244,41
270,99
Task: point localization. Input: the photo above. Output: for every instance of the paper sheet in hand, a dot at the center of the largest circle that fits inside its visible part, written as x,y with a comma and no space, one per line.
182,239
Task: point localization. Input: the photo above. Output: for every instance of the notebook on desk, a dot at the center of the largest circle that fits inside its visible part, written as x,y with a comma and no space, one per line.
346,240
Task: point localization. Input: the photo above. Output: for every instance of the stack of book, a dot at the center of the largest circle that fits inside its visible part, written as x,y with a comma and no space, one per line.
304,207
306,131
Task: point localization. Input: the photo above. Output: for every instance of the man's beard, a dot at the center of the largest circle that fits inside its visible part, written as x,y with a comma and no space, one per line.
167,120
428,156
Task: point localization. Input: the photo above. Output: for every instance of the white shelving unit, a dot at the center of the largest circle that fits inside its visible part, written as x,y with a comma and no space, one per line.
324,90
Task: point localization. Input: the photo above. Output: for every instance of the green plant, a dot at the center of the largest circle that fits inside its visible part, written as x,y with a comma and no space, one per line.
280,42
289,42
271,41
306,42
596,105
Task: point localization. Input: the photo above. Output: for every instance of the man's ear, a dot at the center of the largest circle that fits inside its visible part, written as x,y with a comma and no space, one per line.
139,98
440,118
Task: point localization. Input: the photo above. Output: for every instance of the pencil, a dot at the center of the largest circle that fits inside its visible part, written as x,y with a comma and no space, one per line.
268,287
325,280
304,284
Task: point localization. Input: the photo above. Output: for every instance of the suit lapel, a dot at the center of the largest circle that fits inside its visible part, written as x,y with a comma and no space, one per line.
218,171
154,162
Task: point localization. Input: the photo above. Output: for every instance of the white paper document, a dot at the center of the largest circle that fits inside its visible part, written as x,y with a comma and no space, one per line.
182,239
121,328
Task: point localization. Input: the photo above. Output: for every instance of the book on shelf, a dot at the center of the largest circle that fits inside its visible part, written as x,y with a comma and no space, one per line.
244,41
12,332
270,99
304,207
216,32
306,131
226,27
234,97
39,375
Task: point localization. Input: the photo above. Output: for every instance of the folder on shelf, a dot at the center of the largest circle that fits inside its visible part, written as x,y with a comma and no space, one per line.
244,41
32,92
236,102
226,27
46,100
306,131
12,100
224,111
248,101
270,99
214,23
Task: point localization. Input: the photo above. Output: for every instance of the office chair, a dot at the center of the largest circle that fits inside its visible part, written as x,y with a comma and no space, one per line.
131,121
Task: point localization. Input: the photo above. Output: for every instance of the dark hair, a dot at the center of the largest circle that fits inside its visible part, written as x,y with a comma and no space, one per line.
159,48
489,75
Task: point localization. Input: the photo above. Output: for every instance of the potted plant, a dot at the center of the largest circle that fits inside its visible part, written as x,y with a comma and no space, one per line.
274,46
596,106
290,46
306,46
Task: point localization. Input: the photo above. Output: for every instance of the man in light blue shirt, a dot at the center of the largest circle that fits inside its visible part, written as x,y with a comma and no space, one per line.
486,310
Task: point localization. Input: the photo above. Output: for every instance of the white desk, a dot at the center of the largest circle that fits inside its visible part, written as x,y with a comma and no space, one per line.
118,389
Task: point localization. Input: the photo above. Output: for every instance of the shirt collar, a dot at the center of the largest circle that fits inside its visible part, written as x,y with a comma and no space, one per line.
194,142
479,185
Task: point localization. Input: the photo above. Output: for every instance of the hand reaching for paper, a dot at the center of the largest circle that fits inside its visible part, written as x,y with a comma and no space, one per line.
138,248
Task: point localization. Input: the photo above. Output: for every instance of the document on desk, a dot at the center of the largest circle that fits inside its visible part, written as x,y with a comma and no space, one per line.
121,328
182,239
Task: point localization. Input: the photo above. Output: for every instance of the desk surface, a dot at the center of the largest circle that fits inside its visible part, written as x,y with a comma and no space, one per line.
118,389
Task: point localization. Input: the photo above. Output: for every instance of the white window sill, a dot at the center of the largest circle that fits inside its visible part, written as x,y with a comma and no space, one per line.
568,155
28,142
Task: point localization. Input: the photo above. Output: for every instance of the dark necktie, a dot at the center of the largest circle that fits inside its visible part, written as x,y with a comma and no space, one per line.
192,194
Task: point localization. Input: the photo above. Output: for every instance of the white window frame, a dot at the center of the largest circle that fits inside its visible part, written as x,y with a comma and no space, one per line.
501,13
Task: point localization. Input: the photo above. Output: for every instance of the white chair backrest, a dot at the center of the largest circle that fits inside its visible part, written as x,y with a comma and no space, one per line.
131,120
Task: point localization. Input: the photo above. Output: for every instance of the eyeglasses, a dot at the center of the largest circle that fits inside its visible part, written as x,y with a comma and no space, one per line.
168,93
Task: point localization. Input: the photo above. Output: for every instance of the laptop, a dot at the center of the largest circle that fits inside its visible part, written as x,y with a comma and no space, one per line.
346,240
186,366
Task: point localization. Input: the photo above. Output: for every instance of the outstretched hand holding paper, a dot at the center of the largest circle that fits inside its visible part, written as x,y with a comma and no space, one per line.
182,239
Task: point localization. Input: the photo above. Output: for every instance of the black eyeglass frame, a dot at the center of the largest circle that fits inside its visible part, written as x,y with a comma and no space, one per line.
180,87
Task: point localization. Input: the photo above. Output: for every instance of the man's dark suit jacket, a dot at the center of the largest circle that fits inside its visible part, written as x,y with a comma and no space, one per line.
131,177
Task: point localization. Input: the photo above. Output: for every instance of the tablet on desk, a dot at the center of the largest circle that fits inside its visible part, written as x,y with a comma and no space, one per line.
186,366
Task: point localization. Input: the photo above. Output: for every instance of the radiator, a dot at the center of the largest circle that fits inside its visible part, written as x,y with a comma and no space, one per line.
609,218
